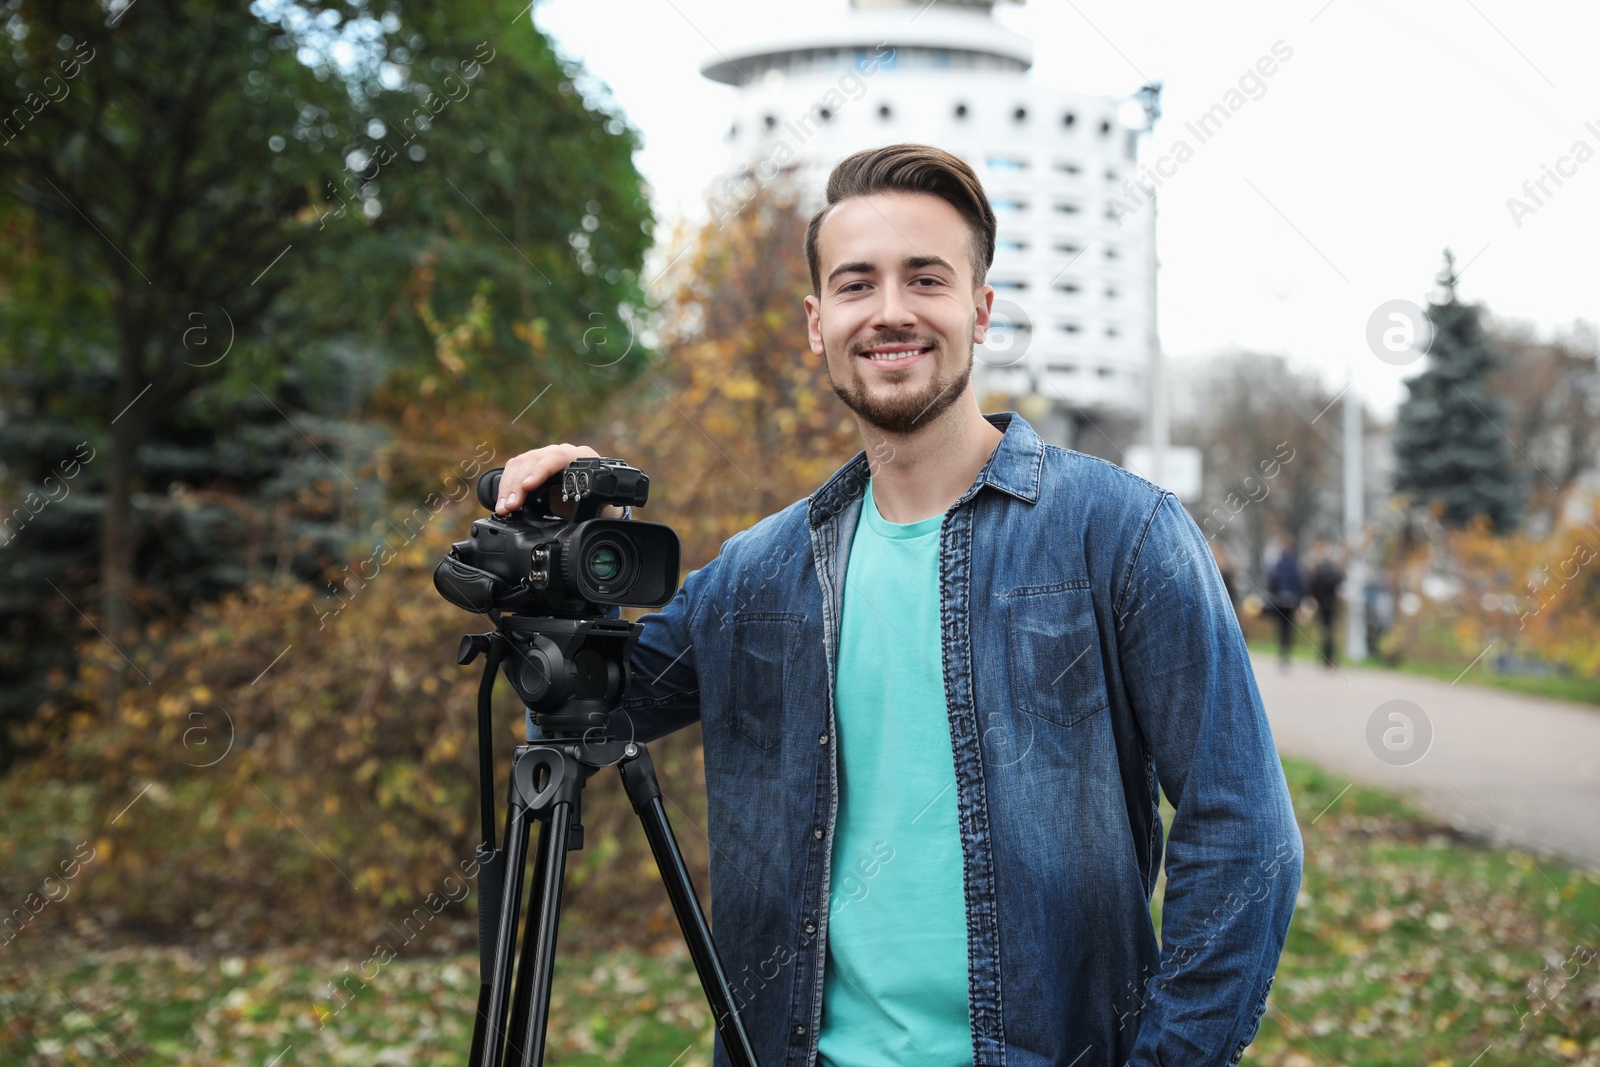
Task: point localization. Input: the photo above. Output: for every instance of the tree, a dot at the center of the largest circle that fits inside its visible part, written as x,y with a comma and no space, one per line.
1551,389
226,217
1270,455
1449,446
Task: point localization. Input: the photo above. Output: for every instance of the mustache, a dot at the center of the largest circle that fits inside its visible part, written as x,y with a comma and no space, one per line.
893,339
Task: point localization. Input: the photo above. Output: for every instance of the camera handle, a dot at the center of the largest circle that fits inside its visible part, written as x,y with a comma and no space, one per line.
546,787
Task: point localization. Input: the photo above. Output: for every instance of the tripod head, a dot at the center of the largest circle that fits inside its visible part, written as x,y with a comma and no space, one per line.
571,673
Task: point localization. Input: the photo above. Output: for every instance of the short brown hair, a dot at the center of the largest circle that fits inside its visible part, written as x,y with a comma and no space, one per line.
910,168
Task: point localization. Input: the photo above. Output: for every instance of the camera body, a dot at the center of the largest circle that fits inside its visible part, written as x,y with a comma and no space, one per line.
532,562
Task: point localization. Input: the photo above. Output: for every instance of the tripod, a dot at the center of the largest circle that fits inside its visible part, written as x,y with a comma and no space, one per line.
573,674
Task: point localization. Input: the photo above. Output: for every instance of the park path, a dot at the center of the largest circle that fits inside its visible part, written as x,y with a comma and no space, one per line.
1500,766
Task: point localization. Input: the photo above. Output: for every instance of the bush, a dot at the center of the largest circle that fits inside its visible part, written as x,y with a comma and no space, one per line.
305,769
1531,596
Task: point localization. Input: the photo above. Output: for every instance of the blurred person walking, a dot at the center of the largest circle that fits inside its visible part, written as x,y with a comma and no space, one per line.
1326,577
1286,587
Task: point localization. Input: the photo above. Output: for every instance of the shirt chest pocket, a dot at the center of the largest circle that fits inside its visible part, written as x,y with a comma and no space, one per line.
762,649
1054,653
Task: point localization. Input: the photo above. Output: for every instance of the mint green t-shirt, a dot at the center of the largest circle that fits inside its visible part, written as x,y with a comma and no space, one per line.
895,987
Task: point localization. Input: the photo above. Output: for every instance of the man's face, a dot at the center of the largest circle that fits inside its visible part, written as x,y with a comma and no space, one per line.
897,281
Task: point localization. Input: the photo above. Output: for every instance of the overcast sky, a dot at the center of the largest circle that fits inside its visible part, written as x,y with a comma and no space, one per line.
1396,129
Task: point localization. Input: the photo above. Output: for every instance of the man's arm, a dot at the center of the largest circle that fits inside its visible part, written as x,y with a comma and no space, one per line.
664,692
1234,854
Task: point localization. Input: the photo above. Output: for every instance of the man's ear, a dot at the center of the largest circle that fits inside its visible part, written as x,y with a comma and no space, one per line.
814,324
982,309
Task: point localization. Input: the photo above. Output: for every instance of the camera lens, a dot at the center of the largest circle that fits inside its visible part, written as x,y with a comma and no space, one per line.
605,562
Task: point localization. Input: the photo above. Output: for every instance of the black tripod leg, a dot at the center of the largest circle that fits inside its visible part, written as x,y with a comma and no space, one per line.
491,880
525,960
491,868
515,856
544,912
639,779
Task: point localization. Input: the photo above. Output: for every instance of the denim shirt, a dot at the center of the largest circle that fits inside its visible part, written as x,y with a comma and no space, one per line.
1090,655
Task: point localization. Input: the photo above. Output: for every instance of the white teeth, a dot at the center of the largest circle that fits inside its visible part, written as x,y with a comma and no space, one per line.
890,355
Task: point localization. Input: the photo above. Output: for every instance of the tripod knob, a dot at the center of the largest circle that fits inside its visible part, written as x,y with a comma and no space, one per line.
473,646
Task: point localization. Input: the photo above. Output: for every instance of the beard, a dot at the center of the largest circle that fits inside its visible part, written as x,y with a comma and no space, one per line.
904,412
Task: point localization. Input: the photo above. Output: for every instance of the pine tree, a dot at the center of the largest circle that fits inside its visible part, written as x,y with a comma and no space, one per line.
1449,449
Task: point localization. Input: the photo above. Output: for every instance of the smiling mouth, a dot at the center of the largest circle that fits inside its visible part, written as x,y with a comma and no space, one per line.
895,353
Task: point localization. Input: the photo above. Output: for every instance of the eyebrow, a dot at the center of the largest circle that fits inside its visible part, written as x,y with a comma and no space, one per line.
910,262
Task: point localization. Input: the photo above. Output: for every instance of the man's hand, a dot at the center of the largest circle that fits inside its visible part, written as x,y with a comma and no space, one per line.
532,469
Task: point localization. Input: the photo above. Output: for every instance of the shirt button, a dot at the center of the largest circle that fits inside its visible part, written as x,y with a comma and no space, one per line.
822,739
811,927
817,833
799,1029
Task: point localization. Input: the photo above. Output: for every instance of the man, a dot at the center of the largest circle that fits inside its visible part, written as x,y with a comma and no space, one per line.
1286,587
937,698
1326,578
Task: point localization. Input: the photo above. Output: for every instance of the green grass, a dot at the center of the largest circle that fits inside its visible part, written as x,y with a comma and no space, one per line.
167,1006
1409,946
1556,687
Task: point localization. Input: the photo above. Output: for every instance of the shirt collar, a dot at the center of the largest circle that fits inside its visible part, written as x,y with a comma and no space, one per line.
1013,467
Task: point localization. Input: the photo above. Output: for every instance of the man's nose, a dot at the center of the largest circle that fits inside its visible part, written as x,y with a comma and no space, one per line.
893,312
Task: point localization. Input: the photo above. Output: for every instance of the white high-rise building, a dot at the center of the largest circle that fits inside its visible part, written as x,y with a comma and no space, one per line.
1074,259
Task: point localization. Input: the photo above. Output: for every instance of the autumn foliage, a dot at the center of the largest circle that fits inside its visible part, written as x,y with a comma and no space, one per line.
1533,596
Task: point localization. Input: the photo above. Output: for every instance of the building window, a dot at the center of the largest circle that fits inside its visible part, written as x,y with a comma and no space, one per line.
1069,168
1006,163
884,112
1105,127
1111,253
1020,115
771,121
1104,372
1111,331
1007,283
1069,120
961,111
1010,244
1008,205
1111,292
1111,175
1068,287
1069,327
733,131
824,114
1067,208
1069,248
1062,368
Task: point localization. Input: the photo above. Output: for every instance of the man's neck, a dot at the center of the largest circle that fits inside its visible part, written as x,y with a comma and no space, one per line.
919,475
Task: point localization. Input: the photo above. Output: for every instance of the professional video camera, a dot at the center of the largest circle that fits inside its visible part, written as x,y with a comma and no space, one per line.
549,583
535,563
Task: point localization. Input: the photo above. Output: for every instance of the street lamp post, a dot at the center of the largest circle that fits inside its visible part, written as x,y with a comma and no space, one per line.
1355,641
1149,97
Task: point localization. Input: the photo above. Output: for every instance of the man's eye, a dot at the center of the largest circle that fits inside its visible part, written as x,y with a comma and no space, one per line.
930,281
852,287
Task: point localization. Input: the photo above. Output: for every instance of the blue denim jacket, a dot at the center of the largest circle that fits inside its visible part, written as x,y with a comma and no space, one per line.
1090,653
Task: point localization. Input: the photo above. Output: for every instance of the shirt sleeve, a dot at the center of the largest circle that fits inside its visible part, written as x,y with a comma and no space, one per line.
1234,854
664,689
